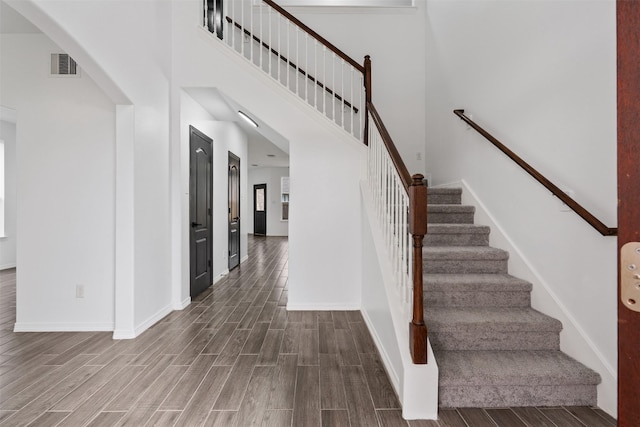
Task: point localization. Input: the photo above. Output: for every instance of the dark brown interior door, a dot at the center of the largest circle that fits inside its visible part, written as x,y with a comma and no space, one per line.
200,199
234,210
260,209
628,23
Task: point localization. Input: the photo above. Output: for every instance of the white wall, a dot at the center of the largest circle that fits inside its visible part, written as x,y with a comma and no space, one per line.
65,190
226,137
8,242
540,76
133,61
395,39
325,166
272,177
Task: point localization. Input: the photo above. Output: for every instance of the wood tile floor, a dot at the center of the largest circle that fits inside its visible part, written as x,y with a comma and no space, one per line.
232,357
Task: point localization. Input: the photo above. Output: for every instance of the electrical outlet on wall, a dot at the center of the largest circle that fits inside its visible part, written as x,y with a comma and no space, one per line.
79,291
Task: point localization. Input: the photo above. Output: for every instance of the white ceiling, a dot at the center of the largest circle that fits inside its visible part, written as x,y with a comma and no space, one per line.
267,148
12,22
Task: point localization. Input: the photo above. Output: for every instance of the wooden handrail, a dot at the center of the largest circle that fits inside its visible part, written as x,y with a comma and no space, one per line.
293,65
405,176
315,35
566,199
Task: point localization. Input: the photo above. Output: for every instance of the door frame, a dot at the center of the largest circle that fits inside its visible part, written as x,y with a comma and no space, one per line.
628,79
255,206
233,157
193,132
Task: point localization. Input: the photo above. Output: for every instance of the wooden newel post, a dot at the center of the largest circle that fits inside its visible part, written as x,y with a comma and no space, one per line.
367,95
418,228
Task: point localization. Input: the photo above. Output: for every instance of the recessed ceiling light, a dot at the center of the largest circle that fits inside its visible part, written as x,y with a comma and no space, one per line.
248,119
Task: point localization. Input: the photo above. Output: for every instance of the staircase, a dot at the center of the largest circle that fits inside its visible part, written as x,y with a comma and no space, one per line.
492,348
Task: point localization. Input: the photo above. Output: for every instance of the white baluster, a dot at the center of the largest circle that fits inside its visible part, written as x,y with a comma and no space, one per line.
279,49
288,66
269,55
315,73
352,102
342,91
306,66
297,62
324,79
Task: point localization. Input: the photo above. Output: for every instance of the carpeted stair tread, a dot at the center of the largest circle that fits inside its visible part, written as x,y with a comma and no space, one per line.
450,214
502,319
531,368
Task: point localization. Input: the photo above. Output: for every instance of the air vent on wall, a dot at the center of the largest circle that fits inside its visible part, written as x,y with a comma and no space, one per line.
63,65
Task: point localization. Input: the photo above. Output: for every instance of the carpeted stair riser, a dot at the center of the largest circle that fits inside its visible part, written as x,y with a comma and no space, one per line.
445,196
480,290
492,329
492,349
463,260
490,396
450,214
456,235
483,339
476,299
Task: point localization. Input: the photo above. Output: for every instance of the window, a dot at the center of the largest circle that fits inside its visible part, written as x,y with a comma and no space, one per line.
284,185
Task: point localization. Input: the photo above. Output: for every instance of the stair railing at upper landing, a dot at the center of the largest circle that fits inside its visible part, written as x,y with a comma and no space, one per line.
339,87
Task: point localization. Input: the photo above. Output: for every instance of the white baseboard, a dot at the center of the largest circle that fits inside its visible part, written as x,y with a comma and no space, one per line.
124,334
182,304
8,266
244,258
159,315
323,307
63,327
220,276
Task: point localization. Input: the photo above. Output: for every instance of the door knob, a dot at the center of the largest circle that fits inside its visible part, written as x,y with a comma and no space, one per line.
195,224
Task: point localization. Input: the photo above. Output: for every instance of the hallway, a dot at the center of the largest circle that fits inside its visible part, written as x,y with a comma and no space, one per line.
233,357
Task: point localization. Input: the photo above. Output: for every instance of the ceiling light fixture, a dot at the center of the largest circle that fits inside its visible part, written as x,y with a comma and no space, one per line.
248,119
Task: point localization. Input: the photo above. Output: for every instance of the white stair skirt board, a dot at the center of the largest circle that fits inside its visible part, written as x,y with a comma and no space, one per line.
416,385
